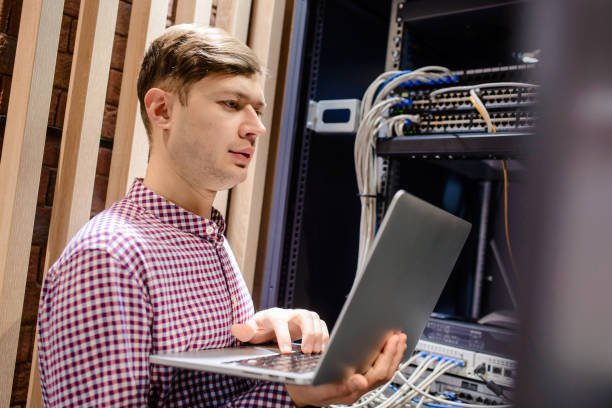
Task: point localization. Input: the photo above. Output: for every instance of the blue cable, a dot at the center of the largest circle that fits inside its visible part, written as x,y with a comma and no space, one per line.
389,80
429,404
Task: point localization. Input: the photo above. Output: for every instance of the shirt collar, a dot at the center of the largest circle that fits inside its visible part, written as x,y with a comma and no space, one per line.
210,229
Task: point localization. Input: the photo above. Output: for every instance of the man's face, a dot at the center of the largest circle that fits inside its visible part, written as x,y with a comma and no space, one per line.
211,139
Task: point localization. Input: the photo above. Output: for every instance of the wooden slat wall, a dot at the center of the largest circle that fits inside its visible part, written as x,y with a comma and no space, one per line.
22,154
193,11
233,16
245,208
26,130
80,138
131,146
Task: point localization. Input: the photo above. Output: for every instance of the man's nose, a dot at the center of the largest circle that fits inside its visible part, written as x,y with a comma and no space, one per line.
252,127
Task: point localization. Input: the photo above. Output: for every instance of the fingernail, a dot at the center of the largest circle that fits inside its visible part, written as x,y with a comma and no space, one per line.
286,349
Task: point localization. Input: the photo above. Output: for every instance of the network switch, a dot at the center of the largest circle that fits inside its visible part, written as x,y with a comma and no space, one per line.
447,104
466,390
500,370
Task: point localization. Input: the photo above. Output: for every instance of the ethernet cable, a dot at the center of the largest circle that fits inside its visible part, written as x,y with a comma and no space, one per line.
448,402
405,393
438,92
374,114
409,389
484,113
506,227
374,395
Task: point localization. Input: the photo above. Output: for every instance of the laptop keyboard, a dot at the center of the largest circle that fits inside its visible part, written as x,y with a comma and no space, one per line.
296,362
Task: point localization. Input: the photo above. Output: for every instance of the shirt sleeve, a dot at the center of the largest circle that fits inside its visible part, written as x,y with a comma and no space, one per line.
94,336
264,395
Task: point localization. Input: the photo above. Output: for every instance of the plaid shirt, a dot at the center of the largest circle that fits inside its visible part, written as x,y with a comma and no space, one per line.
143,277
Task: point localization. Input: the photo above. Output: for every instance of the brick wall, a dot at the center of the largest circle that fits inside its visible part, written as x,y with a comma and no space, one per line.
10,12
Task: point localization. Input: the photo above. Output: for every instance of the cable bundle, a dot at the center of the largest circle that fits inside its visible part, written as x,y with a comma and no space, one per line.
375,120
406,394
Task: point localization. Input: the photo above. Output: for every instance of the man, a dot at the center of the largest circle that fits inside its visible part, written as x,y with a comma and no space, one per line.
153,273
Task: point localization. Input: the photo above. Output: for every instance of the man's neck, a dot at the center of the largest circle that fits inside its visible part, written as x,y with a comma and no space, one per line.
165,181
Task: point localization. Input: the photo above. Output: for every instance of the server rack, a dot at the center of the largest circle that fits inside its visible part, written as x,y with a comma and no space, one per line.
311,253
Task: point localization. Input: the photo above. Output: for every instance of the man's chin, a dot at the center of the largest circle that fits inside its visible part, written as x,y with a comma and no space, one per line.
231,181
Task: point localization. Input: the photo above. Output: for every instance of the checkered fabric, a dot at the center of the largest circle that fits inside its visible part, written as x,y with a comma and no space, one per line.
145,276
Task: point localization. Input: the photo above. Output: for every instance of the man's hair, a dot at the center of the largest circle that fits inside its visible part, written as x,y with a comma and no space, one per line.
185,54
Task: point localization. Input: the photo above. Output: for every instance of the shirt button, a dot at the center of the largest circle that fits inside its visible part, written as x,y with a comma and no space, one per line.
233,300
210,230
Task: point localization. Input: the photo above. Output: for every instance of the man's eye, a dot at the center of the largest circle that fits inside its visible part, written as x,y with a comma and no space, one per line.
259,113
231,104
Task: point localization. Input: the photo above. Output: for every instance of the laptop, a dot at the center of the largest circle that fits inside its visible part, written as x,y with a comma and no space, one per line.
412,255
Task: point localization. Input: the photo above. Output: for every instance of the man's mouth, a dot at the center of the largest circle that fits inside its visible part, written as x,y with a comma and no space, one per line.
243,156
247,153
248,156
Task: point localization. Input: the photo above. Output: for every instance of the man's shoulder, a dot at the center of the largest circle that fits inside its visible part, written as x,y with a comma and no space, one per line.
115,231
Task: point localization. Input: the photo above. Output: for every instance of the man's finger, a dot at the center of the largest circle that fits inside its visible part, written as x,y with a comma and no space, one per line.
397,358
325,335
318,332
283,338
341,392
244,332
304,320
378,372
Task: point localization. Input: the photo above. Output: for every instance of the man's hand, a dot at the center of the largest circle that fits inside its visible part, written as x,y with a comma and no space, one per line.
284,326
348,391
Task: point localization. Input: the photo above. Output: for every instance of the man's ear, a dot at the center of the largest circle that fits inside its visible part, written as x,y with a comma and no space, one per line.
158,104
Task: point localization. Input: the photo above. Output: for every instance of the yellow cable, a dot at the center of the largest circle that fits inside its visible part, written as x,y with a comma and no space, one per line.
506,217
481,112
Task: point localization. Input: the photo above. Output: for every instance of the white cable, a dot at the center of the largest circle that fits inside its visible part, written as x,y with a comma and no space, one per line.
447,402
373,113
482,110
406,394
372,395
436,93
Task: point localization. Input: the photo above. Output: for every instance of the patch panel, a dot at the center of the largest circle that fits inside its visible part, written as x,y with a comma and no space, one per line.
469,391
460,100
510,107
498,369
471,122
465,356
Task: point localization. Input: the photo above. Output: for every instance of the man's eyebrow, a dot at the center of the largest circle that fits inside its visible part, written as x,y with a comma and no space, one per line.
241,95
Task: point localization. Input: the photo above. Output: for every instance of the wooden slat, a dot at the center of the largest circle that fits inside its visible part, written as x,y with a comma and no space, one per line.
233,16
80,138
130,145
247,198
24,140
274,134
193,11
